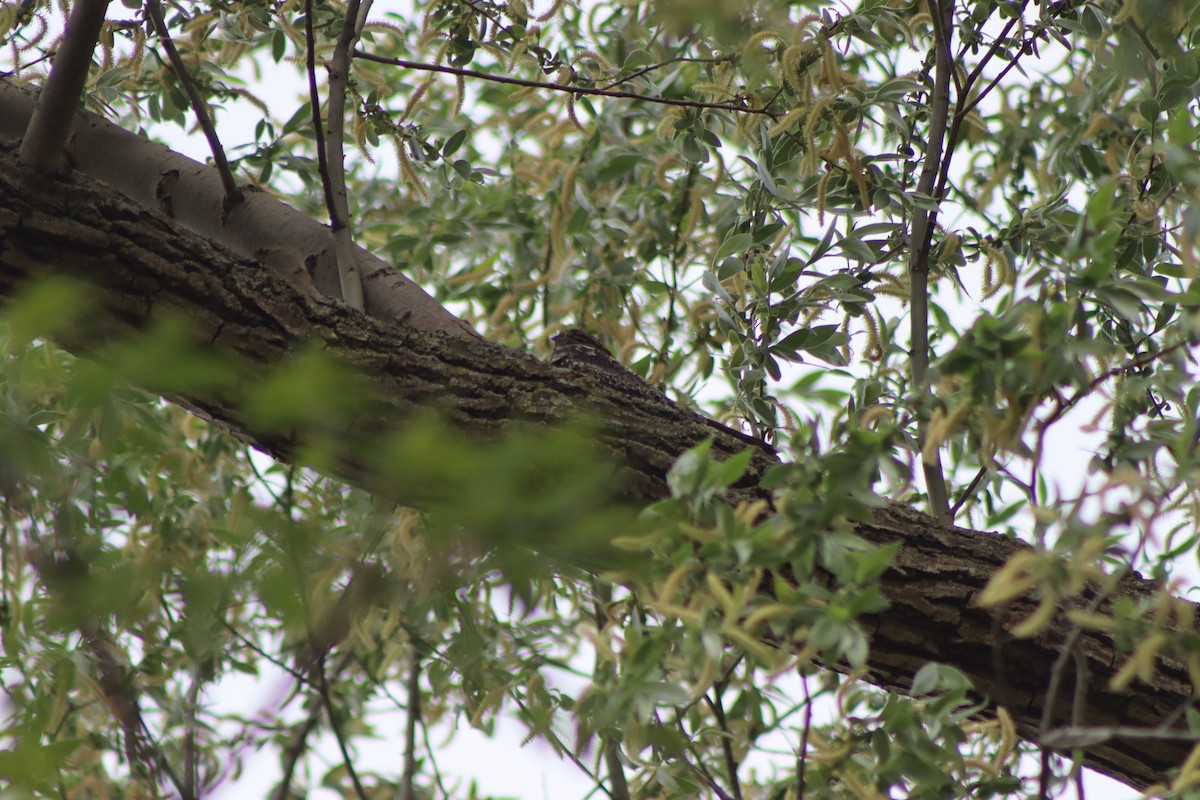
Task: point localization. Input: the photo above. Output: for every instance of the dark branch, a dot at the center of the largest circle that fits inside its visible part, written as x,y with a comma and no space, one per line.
42,147
557,87
232,193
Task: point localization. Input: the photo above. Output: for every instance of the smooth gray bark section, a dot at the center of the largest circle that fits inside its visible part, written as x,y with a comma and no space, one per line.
191,193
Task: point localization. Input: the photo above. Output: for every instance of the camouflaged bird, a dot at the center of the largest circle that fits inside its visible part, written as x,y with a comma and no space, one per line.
576,349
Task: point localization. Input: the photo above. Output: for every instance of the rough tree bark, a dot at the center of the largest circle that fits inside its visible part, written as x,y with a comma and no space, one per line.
260,227
142,266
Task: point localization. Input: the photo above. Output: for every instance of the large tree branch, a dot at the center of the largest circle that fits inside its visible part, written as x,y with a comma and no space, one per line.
261,227
142,266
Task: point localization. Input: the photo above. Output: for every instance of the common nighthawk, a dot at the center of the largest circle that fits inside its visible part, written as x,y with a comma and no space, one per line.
578,350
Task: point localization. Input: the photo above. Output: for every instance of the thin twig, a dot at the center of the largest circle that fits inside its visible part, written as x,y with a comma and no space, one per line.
314,101
291,754
1065,406
559,747
698,767
233,194
731,766
429,751
802,757
46,136
298,745
612,749
964,105
993,50
414,715
1072,735
191,768
1068,650
966,493
339,212
639,73
1044,775
116,681
335,725
919,245
295,673
577,90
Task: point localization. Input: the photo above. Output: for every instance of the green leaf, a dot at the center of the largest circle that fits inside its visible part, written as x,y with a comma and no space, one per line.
35,766
616,167
454,142
733,245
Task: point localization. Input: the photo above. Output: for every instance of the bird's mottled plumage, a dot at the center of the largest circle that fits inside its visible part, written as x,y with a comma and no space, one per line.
578,350
575,347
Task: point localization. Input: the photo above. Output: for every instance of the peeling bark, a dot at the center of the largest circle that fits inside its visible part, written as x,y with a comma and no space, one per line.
143,266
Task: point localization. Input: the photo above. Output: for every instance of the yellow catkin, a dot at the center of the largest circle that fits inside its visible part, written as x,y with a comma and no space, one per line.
765,614
787,120
876,414
568,188
691,218
429,36
414,100
535,177
674,581
407,170
941,425
892,286
976,121
822,190
460,93
660,172
793,67
997,270
361,126
249,97
136,59
831,68
816,115
713,91
858,175
874,350
558,230
385,27
106,46
1096,124
592,55
1020,574
540,122
1145,209
748,123
666,126
760,38
522,92
1039,619
519,49
571,114
550,13
804,23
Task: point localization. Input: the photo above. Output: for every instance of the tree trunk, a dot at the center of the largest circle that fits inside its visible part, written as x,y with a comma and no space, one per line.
143,267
